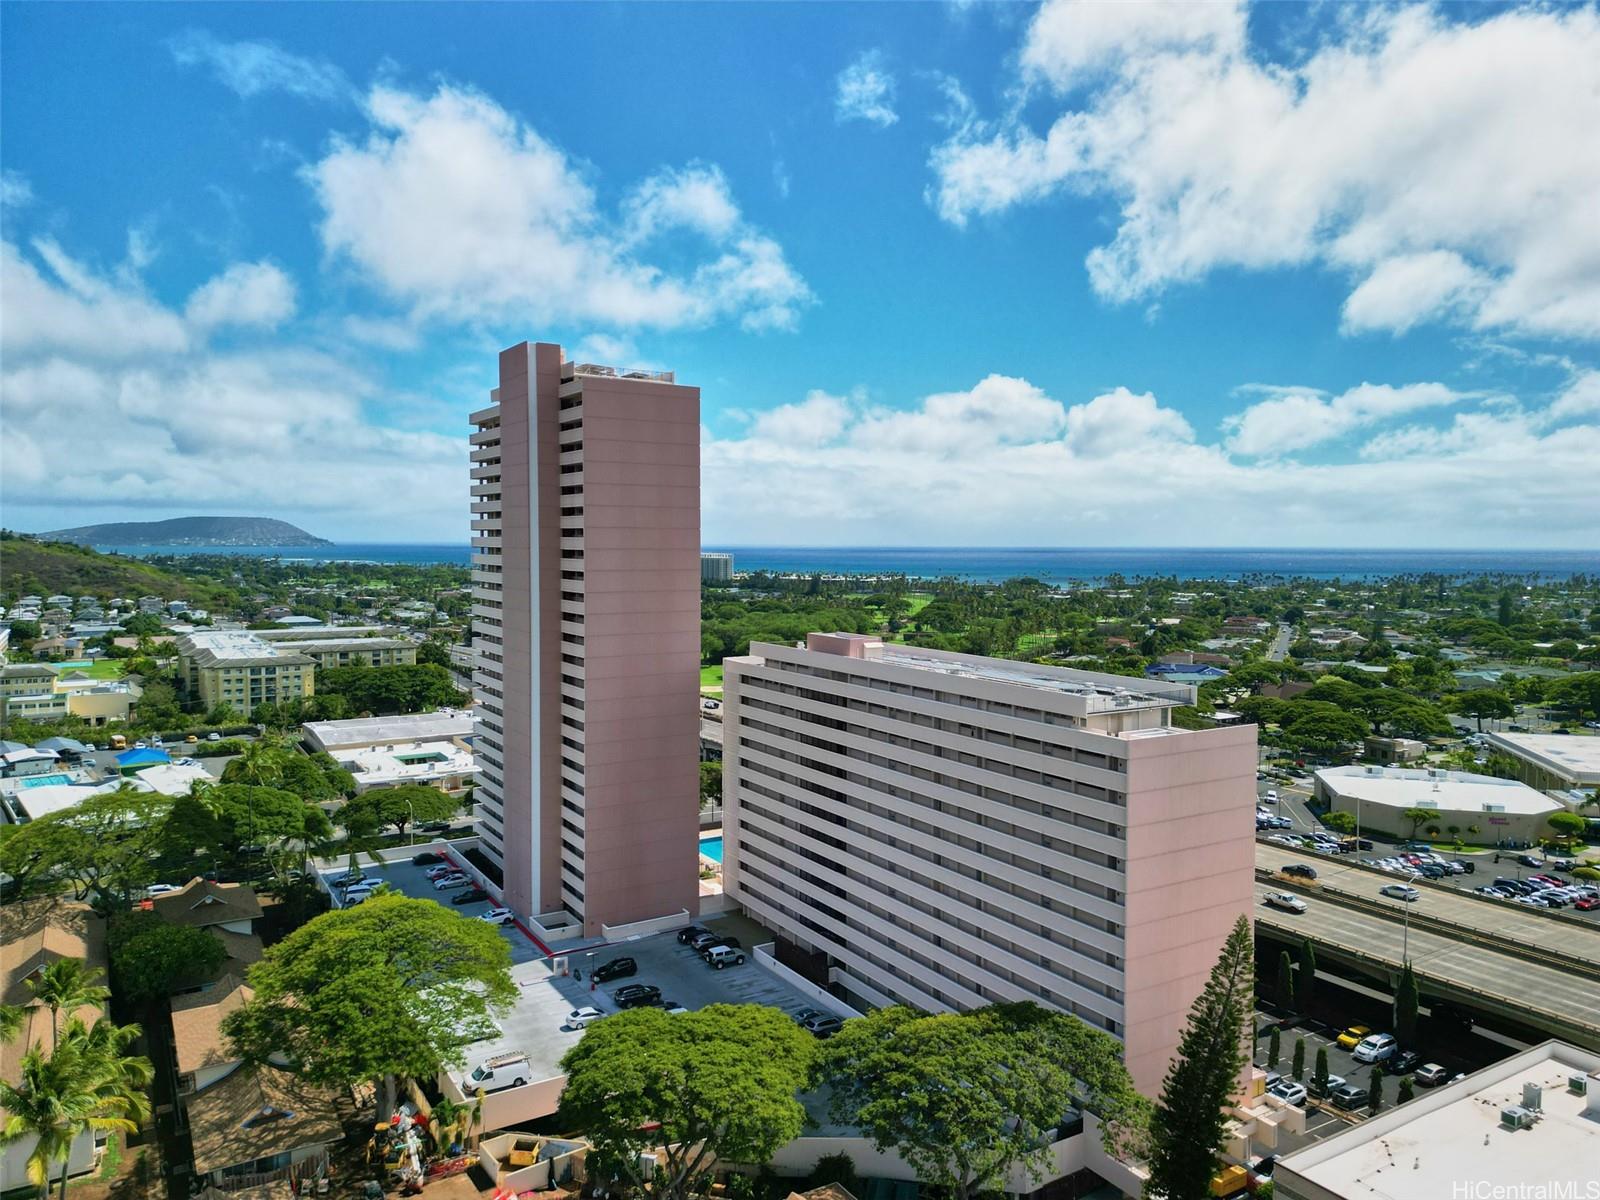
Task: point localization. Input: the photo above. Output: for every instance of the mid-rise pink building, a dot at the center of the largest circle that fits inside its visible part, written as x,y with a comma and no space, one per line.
948,831
586,628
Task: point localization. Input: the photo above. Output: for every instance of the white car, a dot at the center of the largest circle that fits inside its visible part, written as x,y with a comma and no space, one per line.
1287,901
1283,839
1375,1048
1400,891
443,869
497,916
1290,1092
160,889
1270,796
582,1018
446,883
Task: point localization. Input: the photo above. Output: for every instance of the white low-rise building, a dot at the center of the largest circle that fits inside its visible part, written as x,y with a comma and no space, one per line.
1481,809
442,765
1554,761
1527,1126
445,725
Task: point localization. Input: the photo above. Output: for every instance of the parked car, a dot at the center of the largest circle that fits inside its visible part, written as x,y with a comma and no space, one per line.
703,940
497,916
723,956
213,736
447,883
1323,1091
1375,1048
616,968
670,1007
1349,1095
160,889
1404,1062
1586,903
1286,901
822,1026
636,995
689,932
434,827
582,1018
1400,891
805,1014
1301,870
1290,1091
1270,796
1351,1038
731,942
442,868
1431,1075
469,895
501,1071
426,859
349,877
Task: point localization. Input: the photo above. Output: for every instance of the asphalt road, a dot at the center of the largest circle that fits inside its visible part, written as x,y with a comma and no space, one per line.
1530,926
1280,644
1514,982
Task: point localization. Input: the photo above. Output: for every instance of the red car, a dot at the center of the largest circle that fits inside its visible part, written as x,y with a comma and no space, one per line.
1586,904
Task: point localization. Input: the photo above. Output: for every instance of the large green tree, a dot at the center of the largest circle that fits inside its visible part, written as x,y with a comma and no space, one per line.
371,812
226,817
1405,1006
719,1083
152,957
375,992
104,847
1483,704
315,778
1186,1132
967,1099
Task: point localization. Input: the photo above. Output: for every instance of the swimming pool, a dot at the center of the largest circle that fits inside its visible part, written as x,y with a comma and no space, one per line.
33,781
711,847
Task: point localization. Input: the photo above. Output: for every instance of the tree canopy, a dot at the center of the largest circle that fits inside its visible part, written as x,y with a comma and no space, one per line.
226,817
718,1083
387,988
371,812
152,957
104,847
967,1098
1186,1132
403,688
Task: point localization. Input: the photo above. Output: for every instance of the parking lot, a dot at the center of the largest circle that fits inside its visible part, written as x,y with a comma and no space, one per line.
550,988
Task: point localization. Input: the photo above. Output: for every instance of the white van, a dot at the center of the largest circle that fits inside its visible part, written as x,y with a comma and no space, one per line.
501,1071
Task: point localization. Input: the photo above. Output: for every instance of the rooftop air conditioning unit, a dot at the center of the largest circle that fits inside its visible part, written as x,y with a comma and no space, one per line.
1532,1097
1578,1082
1516,1117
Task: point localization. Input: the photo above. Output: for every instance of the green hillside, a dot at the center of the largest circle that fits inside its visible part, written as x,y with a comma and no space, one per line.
44,568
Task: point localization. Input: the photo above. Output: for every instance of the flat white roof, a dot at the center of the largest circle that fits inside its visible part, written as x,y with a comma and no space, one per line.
234,643
428,761
1452,1142
1101,691
1572,755
443,725
1457,791
173,779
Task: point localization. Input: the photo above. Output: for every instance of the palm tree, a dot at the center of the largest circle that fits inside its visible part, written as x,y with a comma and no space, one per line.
12,1018
87,1082
68,983
260,764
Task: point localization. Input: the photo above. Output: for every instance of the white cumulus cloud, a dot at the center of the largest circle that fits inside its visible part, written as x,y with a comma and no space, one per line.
456,207
865,91
1296,418
1448,168
245,294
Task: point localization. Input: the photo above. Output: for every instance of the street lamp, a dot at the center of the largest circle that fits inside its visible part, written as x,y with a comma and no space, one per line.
411,829
1405,936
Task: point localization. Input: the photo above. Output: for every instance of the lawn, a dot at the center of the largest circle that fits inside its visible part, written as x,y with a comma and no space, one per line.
919,601
711,677
105,668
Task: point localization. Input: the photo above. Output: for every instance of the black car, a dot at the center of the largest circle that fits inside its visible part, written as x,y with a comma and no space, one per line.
636,995
732,943
689,932
426,859
469,895
617,968
1351,1095
434,827
1301,870
1468,867
1402,1062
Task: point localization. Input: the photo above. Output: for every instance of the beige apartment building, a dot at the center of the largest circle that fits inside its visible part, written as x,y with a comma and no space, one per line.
350,651
948,831
238,668
586,623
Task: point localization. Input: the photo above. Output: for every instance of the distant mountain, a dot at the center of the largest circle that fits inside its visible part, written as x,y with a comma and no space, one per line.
190,531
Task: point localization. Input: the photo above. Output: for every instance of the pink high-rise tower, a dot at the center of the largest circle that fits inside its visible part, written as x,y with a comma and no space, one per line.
586,626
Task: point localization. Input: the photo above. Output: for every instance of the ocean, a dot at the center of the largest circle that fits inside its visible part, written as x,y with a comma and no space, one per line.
984,564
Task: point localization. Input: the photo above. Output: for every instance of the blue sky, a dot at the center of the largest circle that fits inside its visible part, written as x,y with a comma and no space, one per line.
1135,274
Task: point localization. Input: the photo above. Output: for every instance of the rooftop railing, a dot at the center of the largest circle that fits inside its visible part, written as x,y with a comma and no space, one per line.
623,373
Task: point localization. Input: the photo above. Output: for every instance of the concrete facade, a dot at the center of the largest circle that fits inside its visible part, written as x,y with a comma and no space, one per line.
586,620
949,831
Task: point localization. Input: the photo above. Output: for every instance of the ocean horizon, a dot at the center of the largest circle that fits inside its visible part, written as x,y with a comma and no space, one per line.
979,564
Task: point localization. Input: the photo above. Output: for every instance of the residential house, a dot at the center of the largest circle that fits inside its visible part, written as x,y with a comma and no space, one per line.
229,910
249,1125
34,934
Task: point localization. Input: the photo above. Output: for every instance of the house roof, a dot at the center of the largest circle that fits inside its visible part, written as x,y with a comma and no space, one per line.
197,1024
34,934
256,1112
203,902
